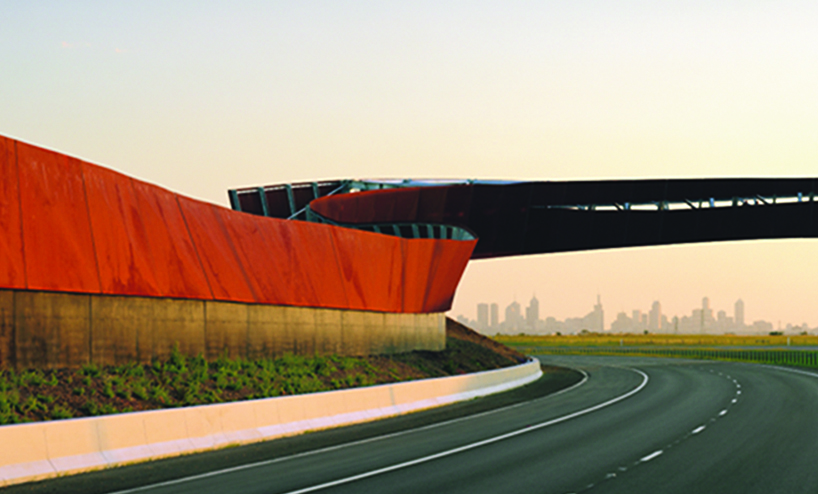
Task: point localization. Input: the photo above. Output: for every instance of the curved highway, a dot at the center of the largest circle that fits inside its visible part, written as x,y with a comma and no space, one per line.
631,425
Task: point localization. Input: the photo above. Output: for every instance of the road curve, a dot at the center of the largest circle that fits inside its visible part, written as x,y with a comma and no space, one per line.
634,425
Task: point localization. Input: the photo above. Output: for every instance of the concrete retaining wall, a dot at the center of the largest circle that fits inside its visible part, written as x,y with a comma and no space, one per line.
47,449
50,329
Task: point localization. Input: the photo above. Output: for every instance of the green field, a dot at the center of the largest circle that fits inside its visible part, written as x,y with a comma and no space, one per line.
797,351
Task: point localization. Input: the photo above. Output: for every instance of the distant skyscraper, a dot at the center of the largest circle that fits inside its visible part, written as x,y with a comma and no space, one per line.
707,315
600,314
513,316
738,315
722,321
595,320
482,316
655,317
495,315
636,320
532,313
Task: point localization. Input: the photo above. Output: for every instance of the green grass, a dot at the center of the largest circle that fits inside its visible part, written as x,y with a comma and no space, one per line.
34,395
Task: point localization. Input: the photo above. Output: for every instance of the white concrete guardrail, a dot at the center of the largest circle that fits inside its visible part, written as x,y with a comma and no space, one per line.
48,449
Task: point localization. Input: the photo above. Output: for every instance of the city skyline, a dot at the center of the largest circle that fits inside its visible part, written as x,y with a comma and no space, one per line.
702,320
773,277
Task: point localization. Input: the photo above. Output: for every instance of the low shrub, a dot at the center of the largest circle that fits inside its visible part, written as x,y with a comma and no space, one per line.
180,380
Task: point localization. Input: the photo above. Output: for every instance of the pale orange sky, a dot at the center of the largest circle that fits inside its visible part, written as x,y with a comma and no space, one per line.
774,278
203,97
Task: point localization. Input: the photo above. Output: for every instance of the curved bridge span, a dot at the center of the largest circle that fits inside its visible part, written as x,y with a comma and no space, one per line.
518,218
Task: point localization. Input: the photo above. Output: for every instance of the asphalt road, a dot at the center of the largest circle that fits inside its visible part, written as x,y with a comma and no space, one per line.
634,425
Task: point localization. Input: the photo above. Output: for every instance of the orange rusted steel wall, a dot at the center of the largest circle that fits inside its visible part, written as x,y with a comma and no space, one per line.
70,226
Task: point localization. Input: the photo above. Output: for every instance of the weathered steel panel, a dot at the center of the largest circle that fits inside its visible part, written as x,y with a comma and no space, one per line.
12,265
59,249
371,269
88,229
253,239
121,238
449,261
178,271
315,254
283,246
225,273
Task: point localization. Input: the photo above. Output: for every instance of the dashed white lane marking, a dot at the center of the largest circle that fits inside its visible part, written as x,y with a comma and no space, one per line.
695,431
651,456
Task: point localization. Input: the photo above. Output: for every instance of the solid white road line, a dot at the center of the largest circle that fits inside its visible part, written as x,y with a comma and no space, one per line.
796,371
239,468
478,444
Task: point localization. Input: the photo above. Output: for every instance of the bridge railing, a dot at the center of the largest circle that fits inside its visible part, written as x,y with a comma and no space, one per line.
403,230
794,358
704,203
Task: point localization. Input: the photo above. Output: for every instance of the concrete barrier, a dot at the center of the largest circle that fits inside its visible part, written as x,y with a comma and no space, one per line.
48,449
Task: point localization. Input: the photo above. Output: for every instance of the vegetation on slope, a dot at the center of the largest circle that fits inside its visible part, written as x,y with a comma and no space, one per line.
33,395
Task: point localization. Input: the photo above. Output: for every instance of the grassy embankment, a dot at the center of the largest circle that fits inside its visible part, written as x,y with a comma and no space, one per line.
34,395
776,350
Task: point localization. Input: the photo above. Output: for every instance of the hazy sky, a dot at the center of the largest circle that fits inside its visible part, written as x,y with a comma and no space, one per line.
203,96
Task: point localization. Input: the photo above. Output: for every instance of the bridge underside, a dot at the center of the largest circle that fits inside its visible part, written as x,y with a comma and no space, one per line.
519,218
